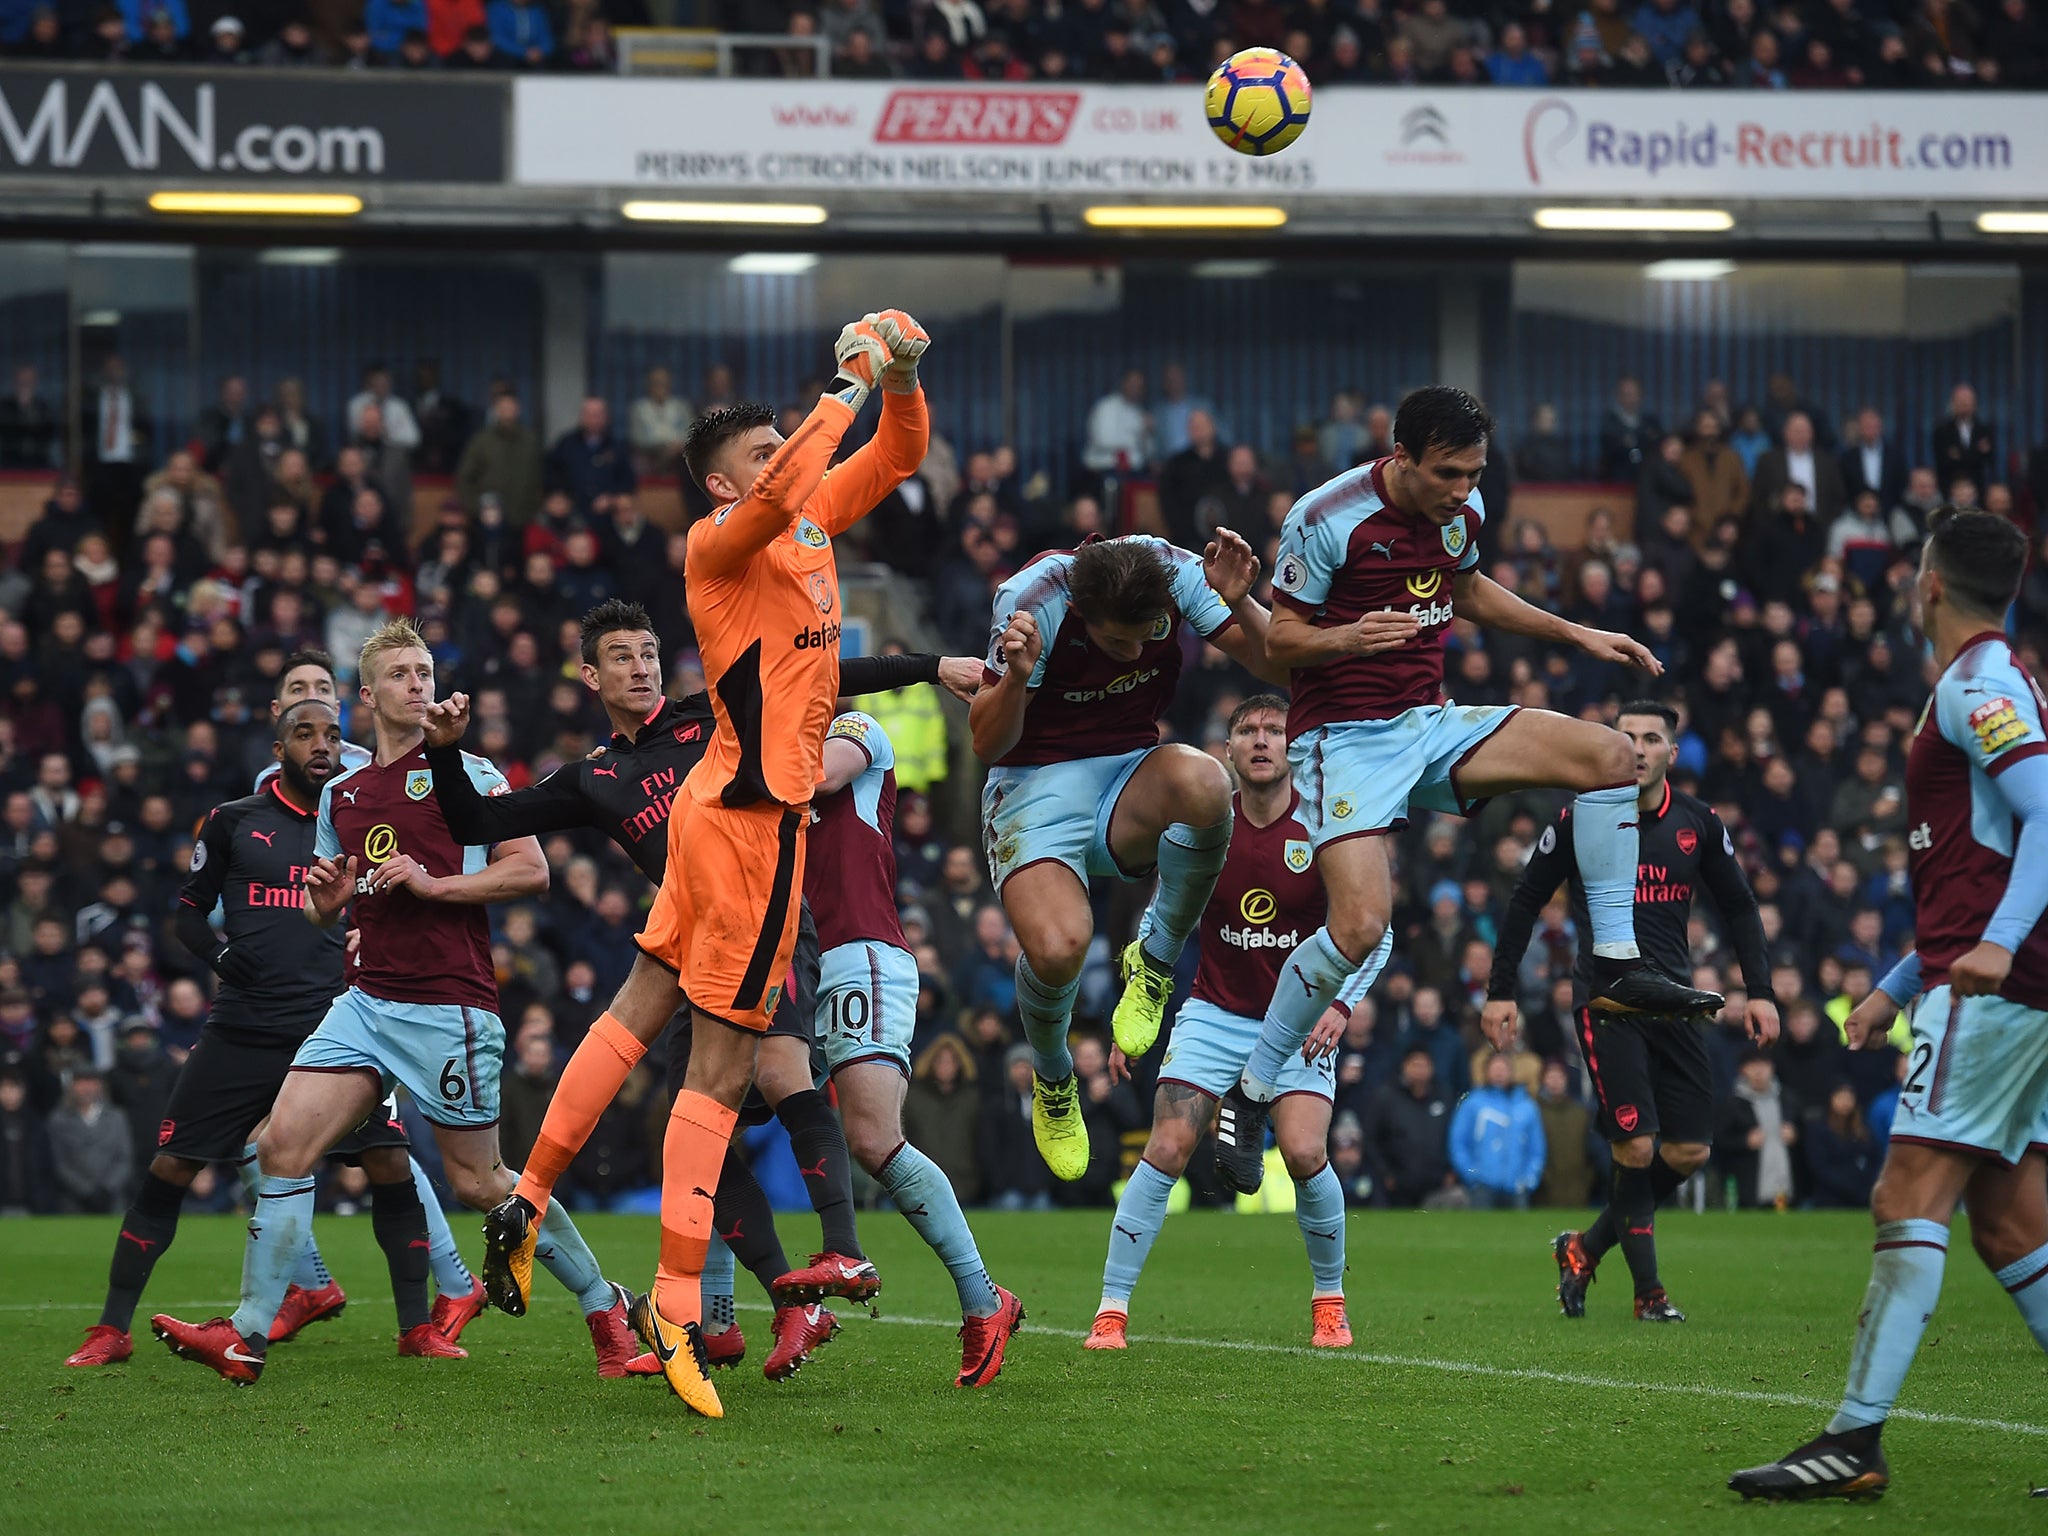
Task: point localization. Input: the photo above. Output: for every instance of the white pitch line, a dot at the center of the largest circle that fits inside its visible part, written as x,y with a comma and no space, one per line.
1336,1356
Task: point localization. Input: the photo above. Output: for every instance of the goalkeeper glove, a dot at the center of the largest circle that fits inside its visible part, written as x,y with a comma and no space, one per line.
907,341
862,355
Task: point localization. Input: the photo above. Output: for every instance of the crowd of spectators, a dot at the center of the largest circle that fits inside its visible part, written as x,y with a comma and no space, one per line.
145,614
1819,45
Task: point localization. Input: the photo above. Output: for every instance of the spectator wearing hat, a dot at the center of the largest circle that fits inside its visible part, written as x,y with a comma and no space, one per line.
1437,949
1347,1159
226,43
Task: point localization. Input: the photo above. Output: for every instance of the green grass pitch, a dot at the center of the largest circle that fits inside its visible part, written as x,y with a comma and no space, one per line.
1467,1405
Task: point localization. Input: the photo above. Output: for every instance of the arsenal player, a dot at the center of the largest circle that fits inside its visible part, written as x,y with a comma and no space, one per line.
1651,1072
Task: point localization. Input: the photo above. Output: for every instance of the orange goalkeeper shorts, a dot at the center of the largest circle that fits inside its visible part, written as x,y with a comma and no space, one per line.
725,918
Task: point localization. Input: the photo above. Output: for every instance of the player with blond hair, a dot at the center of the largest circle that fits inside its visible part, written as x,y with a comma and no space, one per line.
422,1013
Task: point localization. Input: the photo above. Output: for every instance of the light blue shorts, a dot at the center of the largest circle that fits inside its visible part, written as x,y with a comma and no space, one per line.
1359,777
867,1005
1058,812
1208,1049
445,1055
1977,1078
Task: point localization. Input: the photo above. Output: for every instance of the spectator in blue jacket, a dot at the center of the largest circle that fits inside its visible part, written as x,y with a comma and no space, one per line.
591,463
1497,1140
137,14
390,20
521,31
1513,62
1665,25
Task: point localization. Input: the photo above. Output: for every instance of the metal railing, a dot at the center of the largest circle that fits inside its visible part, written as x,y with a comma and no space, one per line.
705,51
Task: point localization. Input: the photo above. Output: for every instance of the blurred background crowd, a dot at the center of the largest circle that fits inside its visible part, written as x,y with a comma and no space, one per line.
1761,542
1691,44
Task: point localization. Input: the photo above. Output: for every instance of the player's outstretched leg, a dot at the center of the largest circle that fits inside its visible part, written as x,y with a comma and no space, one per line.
147,1228
1179,801
596,1072
669,1318
1315,974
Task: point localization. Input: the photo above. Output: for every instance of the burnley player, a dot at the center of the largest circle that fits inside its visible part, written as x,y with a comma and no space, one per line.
1267,900
1372,569
1652,1075
1972,1123
1083,659
868,998
625,791
314,1294
277,976
422,1013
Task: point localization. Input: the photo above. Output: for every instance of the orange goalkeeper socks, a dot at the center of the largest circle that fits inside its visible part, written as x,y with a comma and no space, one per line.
590,1082
691,1154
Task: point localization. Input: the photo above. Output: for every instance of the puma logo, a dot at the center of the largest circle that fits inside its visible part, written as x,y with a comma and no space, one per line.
144,1243
813,1173
604,773
349,795
734,1235
1386,549
913,1212
1127,1232
268,837
1306,989
1328,1237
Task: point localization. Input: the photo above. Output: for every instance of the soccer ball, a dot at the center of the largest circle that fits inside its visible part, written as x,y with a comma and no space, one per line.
1258,101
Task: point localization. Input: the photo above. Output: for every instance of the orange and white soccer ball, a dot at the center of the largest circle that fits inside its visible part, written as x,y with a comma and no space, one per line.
1258,101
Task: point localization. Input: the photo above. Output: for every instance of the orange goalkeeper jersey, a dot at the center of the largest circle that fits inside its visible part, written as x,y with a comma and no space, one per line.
764,598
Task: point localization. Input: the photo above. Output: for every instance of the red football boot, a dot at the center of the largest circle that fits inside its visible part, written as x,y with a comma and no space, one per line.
727,1348
827,1275
104,1345
214,1343
798,1332
982,1340
302,1307
452,1314
426,1342
612,1336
